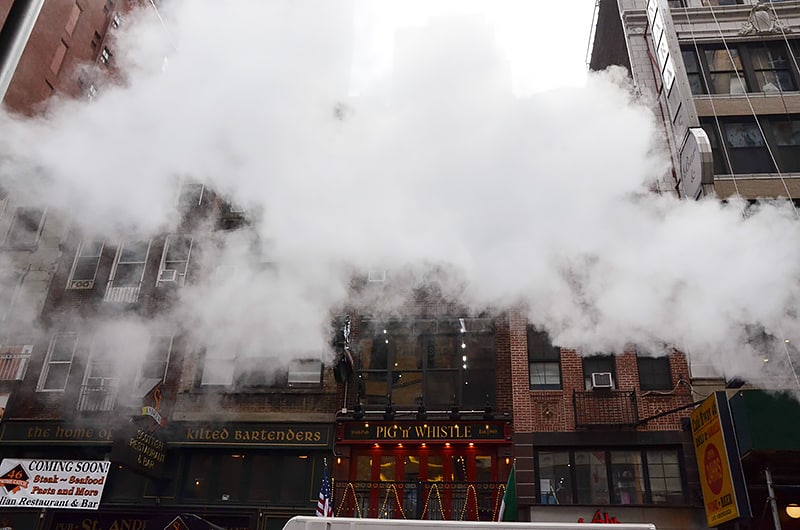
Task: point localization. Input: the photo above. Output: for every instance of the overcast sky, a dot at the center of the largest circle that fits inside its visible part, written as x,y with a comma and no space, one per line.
545,42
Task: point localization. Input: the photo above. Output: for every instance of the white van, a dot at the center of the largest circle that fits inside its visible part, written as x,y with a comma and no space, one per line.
346,523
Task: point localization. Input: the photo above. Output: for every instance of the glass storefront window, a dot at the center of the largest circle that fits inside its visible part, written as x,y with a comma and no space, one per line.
665,477
388,469
198,477
435,469
483,468
626,477
591,477
555,479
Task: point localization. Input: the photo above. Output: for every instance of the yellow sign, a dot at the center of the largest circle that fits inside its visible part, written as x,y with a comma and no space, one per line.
716,478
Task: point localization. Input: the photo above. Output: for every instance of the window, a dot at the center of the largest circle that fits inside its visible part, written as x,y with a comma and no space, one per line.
154,367
626,477
664,471
744,149
305,372
58,57
10,288
544,361
654,373
634,476
130,263
219,366
229,368
191,194
721,2
25,228
239,476
58,362
435,363
100,382
73,19
744,67
693,71
771,69
84,268
174,260
105,55
91,92
725,73
116,21
127,272
598,364
14,362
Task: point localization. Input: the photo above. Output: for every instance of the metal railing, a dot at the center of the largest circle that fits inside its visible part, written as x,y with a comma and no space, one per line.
452,501
13,367
605,408
98,396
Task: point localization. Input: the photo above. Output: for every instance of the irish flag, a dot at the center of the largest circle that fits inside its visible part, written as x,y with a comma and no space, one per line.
508,507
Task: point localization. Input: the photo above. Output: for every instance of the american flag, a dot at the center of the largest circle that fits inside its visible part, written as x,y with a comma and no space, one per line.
324,506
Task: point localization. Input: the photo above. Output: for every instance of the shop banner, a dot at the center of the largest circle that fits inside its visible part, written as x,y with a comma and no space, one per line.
68,484
718,461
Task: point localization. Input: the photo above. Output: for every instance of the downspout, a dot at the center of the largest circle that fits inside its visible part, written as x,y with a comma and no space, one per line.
14,37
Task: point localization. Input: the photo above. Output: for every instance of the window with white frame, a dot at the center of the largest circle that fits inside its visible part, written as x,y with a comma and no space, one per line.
174,260
58,363
25,228
191,194
100,381
129,264
219,365
84,268
305,372
105,55
154,367
10,287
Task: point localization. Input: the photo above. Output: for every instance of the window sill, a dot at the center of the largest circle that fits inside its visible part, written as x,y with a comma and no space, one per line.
20,248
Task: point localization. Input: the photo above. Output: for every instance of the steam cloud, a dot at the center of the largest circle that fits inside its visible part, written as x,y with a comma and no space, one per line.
541,202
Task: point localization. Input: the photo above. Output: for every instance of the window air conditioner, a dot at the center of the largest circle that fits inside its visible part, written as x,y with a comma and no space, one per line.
168,275
602,380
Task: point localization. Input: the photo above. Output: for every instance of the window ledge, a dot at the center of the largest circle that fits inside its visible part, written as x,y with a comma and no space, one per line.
20,248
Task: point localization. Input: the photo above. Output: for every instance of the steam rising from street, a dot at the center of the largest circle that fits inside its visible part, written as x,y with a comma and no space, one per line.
540,202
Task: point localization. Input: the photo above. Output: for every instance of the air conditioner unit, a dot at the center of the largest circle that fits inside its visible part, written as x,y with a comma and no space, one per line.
168,275
27,349
602,380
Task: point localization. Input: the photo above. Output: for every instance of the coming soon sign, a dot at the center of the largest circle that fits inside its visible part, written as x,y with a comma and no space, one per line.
70,484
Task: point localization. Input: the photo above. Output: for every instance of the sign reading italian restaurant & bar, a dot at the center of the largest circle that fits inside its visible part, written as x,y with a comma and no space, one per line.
39,483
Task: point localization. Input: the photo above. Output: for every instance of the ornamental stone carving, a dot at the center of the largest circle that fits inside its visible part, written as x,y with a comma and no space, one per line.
762,20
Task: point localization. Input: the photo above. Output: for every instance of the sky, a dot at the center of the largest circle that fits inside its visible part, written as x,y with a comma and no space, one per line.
545,42
470,154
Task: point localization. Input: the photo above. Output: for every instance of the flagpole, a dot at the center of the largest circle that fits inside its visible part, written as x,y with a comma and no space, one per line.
508,507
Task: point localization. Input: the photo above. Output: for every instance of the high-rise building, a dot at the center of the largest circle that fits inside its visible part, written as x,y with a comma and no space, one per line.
724,78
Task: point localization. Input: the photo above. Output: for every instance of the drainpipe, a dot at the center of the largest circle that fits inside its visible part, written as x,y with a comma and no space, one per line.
14,36
772,502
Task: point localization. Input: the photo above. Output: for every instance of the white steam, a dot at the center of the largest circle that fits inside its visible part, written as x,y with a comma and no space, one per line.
540,202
